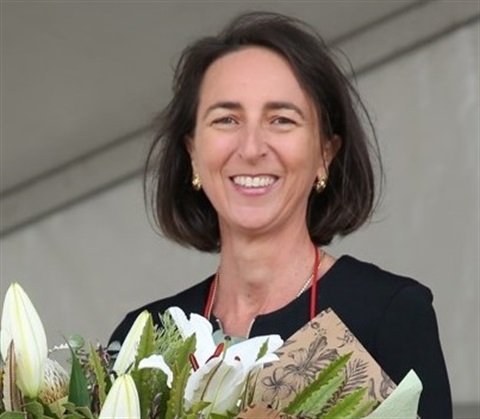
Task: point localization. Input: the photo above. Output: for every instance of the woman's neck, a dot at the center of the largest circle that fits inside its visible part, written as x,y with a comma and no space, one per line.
262,274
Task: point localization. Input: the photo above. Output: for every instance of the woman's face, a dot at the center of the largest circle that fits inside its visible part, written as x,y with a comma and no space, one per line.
256,145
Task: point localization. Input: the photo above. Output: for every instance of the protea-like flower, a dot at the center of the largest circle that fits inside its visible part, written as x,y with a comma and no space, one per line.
21,323
122,400
55,384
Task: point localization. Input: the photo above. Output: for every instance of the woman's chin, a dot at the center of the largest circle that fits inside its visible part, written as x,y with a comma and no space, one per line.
253,222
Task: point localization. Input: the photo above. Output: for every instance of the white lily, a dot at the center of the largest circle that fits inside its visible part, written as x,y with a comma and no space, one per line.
218,383
220,377
221,381
128,351
21,323
122,400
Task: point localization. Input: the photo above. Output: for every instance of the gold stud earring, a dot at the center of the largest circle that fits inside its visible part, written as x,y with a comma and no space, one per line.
196,182
320,185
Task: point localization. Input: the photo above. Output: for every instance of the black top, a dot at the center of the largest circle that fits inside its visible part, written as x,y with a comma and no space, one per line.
392,316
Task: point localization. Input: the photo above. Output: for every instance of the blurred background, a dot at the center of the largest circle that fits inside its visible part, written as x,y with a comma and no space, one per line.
82,81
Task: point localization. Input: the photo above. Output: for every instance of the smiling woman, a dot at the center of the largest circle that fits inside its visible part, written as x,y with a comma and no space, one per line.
261,156
256,146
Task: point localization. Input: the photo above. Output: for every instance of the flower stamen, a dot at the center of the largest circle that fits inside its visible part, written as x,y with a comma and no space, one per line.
218,351
194,362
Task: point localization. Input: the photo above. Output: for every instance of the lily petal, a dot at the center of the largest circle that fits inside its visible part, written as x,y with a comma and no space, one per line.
187,327
180,320
122,400
218,383
247,351
200,327
157,361
128,351
21,323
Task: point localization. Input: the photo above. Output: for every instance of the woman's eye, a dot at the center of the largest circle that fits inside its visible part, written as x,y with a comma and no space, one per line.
225,120
281,120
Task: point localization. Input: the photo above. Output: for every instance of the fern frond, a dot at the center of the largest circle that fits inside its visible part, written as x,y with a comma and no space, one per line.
169,339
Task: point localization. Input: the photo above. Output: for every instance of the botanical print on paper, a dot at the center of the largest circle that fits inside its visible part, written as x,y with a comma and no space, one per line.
307,353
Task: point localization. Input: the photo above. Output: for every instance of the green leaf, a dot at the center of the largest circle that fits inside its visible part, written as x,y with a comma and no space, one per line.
12,415
69,407
73,415
263,350
175,404
334,369
364,409
85,412
76,342
147,381
182,355
196,409
35,409
146,345
347,406
249,391
78,388
319,399
99,371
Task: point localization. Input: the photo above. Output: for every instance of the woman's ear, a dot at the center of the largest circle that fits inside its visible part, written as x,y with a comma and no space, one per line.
189,144
330,149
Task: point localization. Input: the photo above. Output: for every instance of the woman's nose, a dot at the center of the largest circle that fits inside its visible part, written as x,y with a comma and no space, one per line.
252,144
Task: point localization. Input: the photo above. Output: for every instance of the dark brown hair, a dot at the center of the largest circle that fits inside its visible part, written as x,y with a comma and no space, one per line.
187,216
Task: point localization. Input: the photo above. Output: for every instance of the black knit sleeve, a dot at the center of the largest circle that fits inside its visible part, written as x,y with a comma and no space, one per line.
191,300
408,339
121,331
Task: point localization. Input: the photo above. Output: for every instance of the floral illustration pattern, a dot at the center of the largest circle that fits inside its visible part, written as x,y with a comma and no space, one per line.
310,350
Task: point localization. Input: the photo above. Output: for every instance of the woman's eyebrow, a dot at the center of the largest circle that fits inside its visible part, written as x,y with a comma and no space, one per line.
276,105
284,105
222,105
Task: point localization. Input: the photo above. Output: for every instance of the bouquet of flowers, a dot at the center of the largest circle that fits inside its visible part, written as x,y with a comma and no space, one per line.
176,371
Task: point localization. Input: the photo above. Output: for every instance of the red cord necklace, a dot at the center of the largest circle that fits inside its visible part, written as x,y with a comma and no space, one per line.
313,289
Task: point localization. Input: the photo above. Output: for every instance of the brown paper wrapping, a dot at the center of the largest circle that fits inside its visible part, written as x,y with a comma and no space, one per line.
260,411
304,355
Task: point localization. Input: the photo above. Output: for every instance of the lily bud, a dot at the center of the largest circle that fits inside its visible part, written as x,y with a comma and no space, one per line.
21,323
128,351
122,400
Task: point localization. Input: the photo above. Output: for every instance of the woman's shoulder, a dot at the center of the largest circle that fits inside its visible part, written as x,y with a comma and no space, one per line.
363,278
364,295
190,300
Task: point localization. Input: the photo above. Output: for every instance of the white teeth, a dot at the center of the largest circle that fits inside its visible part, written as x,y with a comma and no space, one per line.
254,181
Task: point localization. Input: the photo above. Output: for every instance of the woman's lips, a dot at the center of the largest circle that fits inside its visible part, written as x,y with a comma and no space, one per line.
252,182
